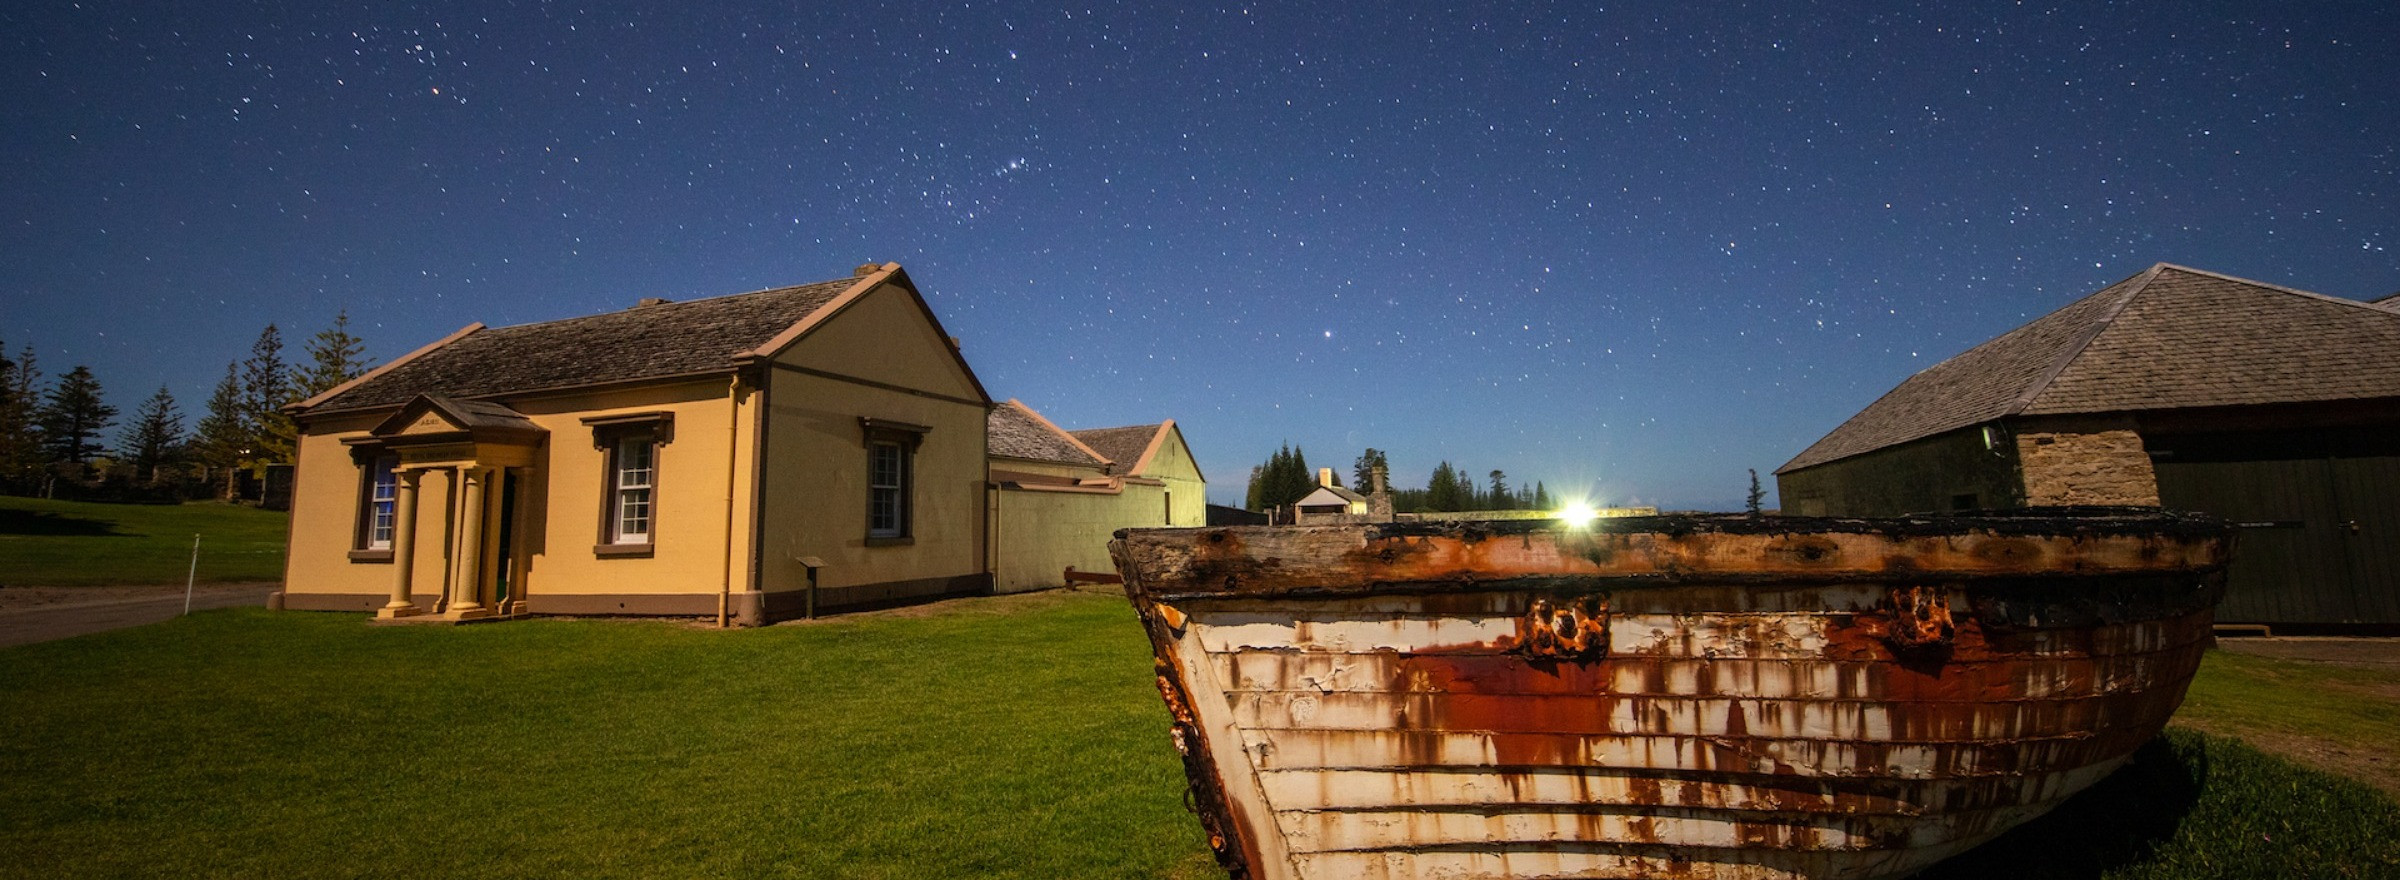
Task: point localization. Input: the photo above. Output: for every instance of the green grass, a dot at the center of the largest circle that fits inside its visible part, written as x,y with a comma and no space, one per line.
2191,805
76,543
247,743
1015,737
2345,707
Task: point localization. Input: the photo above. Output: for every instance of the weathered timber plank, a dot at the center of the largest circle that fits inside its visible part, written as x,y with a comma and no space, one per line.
1636,788
1698,635
1592,860
1782,636
1283,749
2037,678
1310,831
1876,721
1329,560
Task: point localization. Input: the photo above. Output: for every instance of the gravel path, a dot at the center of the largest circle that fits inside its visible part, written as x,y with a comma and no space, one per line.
41,614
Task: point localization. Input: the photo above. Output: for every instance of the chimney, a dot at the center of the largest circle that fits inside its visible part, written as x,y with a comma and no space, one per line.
1325,477
1379,505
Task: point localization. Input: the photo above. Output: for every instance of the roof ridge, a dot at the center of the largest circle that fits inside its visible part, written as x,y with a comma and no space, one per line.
2074,351
1153,426
669,304
1069,436
2372,304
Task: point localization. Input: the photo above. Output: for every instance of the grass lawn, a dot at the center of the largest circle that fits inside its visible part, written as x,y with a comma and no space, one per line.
77,543
248,743
2345,719
1010,737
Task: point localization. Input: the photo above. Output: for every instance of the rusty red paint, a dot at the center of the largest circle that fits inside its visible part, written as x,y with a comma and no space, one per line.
1564,628
1789,670
1917,622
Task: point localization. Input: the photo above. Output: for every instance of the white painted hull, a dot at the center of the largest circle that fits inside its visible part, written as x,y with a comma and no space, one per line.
1734,729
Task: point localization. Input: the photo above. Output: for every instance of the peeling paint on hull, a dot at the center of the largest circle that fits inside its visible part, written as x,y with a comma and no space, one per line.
1703,697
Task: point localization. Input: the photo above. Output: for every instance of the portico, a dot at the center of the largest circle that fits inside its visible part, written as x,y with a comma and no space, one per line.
482,452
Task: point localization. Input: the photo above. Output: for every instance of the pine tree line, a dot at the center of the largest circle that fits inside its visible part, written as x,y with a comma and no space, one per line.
1286,478
54,437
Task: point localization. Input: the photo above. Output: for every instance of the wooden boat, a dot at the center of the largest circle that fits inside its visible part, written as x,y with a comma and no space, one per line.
1709,697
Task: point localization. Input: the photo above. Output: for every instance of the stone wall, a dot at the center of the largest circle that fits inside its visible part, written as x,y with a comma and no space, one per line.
2096,460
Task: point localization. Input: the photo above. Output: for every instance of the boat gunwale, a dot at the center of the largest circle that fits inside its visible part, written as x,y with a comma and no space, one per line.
2041,545
2068,521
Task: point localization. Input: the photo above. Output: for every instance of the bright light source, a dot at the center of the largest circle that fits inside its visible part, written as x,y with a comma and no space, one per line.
1578,515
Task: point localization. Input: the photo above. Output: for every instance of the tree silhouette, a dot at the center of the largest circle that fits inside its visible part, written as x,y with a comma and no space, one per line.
155,438
72,417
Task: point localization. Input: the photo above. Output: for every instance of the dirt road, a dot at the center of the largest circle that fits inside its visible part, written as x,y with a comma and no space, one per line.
41,614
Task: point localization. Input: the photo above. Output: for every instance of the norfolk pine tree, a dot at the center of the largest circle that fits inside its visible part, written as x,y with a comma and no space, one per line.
20,439
72,417
334,357
155,439
222,441
266,388
1442,490
1362,471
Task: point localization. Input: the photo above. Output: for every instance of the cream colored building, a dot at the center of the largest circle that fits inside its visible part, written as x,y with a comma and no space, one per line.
1059,495
752,457
1330,504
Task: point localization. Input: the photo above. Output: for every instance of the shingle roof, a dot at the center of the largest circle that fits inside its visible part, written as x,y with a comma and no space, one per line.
1016,431
1124,445
645,342
2168,338
1345,495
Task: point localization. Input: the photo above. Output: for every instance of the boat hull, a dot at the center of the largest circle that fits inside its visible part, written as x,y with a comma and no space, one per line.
1669,697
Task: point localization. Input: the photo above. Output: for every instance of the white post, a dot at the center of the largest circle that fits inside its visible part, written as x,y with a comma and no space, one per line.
190,576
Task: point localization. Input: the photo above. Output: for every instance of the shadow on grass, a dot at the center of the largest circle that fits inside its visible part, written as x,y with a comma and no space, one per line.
2120,821
47,524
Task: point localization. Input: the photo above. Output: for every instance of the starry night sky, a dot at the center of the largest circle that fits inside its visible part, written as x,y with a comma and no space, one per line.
1633,251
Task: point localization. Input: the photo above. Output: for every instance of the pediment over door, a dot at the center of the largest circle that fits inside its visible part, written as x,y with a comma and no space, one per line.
432,431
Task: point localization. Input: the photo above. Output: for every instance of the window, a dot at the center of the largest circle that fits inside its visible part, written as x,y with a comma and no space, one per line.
887,490
378,498
383,494
633,468
629,446
891,479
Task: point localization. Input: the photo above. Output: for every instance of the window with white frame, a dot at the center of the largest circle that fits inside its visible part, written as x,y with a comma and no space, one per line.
887,490
383,496
378,501
891,479
630,447
633,475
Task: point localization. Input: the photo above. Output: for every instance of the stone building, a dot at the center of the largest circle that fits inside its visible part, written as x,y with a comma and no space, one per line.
2276,408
